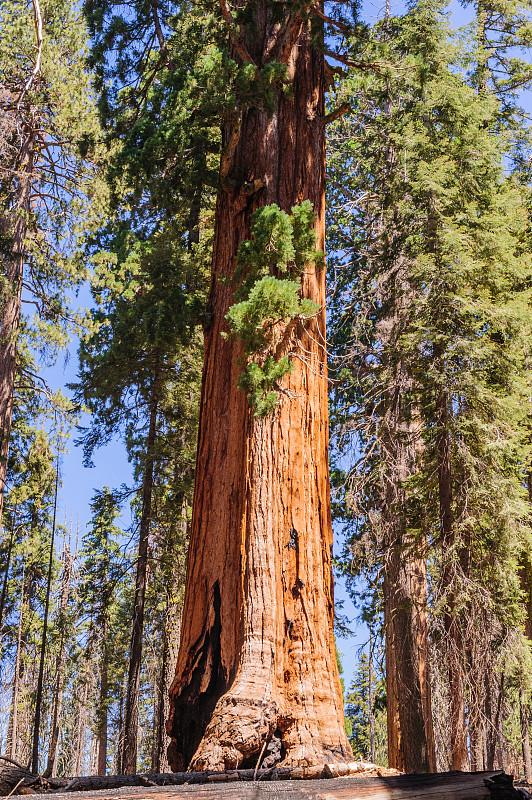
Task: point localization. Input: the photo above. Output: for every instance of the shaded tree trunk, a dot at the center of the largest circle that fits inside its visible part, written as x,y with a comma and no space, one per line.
256,671
131,713
10,305
371,701
171,636
410,728
489,715
455,671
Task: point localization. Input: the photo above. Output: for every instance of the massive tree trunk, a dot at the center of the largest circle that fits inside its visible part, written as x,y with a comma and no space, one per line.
131,714
454,645
256,677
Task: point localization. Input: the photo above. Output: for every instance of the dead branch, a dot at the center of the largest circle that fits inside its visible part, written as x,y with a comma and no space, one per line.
37,18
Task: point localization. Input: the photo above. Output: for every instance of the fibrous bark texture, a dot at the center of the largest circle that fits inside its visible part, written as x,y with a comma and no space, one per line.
256,675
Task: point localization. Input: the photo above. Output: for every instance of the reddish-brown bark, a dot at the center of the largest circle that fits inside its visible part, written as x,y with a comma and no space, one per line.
257,661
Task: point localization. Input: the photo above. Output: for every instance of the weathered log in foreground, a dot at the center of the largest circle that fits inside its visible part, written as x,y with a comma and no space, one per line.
271,784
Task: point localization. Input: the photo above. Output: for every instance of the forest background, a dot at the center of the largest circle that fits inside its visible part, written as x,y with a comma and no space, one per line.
74,512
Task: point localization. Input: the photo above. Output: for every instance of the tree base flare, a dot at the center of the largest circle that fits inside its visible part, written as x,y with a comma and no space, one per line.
245,733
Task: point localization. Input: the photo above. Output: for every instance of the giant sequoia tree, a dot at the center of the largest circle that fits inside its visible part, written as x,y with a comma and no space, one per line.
256,671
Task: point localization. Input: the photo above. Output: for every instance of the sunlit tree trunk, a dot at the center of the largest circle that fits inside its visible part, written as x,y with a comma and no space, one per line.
256,673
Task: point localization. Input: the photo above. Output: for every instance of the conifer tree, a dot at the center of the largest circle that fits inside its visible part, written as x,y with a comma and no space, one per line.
258,575
457,229
366,712
47,115
102,567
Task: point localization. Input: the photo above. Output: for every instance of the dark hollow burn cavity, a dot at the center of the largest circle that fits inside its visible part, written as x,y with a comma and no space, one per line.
273,754
194,708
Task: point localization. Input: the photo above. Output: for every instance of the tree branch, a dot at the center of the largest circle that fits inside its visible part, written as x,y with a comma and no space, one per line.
342,26
158,29
337,113
37,19
237,44
350,63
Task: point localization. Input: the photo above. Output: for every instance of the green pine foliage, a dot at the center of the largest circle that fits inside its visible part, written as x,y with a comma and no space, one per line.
282,244
430,241
67,193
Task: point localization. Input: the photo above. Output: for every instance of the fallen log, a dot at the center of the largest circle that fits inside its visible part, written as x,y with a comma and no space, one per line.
290,784
13,773
99,782
446,786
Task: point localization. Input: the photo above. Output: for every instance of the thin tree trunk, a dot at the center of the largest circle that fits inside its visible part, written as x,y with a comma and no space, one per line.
40,679
101,728
10,305
129,764
455,672
13,721
82,713
256,673
120,737
103,700
525,737
371,713
60,663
